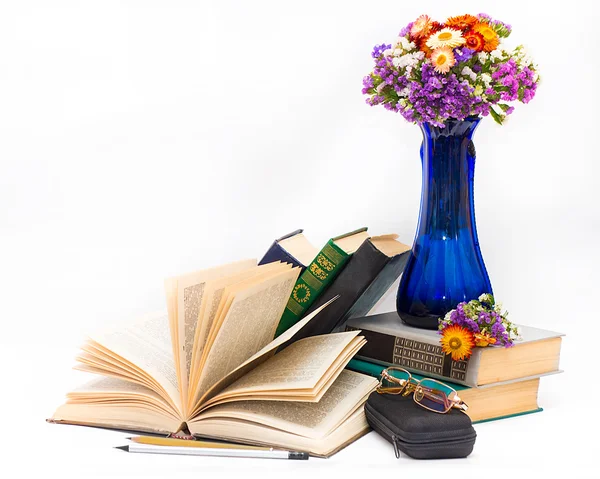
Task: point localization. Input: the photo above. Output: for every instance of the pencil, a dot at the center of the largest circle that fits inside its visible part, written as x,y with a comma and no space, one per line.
200,451
169,441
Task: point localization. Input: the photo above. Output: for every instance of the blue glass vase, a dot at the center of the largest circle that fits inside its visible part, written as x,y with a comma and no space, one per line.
445,265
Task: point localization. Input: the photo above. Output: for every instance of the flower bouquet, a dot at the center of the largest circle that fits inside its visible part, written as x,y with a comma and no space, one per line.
453,70
479,322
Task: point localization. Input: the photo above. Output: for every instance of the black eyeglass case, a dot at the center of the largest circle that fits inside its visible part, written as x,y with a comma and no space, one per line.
418,432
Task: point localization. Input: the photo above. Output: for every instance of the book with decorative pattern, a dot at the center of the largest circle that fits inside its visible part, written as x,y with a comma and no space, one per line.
392,342
327,264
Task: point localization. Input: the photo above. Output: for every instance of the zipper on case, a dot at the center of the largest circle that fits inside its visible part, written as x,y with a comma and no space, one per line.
386,430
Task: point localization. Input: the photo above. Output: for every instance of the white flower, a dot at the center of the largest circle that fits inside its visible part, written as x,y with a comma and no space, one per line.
483,56
388,52
466,71
484,297
419,55
486,79
380,87
408,60
405,44
497,53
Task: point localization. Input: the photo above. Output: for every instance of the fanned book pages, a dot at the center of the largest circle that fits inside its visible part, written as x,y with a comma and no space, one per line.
210,364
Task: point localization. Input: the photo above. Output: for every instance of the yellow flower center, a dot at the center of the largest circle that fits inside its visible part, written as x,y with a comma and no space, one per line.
488,33
440,60
445,36
455,343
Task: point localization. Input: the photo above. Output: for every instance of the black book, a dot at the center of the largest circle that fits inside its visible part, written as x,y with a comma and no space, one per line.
372,269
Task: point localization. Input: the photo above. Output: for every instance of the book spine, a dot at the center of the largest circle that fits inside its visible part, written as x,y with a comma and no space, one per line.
421,357
362,269
373,369
378,287
312,283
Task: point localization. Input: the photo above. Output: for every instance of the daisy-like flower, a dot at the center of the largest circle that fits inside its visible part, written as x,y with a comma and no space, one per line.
462,22
420,27
443,59
490,37
446,37
458,342
474,40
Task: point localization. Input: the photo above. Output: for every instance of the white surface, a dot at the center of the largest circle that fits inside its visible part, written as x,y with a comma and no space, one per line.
149,138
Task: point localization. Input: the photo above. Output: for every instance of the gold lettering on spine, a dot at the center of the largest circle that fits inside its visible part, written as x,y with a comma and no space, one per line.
325,263
318,272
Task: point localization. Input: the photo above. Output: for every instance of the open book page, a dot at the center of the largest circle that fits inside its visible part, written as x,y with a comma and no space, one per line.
249,325
313,420
107,390
185,295
212,296
297,370
146,343
260,357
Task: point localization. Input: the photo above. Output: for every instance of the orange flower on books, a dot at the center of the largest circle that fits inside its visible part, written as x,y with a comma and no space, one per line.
458,342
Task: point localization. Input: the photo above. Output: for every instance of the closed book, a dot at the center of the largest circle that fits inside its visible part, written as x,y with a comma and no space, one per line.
327,264
368,275
487,403
392,342
292,248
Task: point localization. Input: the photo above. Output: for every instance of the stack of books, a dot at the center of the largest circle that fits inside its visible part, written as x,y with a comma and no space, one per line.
495,382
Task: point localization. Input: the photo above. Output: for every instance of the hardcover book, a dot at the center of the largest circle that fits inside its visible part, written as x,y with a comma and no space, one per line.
327,264
492,402
210,365
292,248
392,342
368,275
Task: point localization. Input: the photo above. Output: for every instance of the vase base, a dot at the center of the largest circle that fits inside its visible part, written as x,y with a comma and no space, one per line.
422,322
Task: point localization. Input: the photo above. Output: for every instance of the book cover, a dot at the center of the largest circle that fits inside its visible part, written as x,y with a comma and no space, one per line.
368,275
392,342
327,264
279,252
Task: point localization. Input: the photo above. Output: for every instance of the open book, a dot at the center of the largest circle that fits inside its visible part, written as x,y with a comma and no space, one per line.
210,364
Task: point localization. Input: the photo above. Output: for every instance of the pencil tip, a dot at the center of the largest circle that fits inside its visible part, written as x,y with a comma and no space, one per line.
123,448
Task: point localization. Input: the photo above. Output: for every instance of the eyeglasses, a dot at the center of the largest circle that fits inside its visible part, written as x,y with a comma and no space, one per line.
428,393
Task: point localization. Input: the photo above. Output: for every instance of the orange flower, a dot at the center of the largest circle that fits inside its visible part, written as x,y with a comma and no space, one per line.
490,37
458,342
443,59
462,22
474,40
483,339
420,27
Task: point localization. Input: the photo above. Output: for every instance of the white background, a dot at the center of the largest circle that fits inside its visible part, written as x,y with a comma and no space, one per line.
142,139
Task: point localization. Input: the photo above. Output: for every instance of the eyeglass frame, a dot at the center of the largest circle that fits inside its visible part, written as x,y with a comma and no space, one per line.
411,385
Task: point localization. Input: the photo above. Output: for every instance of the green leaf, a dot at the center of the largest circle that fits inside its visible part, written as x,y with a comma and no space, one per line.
497,118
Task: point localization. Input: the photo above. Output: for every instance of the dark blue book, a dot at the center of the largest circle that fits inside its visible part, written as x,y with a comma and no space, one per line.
292,248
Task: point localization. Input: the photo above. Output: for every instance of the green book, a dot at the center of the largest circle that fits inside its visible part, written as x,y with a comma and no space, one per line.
486,403
319,274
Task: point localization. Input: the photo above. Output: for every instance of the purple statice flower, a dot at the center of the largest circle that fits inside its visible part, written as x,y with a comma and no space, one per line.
406,30
379,49
463,54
